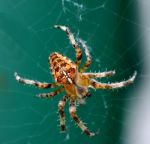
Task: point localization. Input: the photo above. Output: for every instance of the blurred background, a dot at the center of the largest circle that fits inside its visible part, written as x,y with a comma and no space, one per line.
117,34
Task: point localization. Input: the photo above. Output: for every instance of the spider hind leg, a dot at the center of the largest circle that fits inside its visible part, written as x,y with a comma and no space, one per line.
61,112
72,110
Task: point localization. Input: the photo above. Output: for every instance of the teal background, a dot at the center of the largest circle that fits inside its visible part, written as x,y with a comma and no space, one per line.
27,38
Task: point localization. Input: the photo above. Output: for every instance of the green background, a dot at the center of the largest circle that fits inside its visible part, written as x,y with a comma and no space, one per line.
27,38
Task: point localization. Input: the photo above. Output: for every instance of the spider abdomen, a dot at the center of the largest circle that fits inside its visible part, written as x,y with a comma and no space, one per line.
63,69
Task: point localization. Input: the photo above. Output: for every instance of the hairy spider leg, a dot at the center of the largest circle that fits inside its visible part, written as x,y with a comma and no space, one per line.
51,94
61,106
72,110
88,56
73,42
38,84
100,74
97,85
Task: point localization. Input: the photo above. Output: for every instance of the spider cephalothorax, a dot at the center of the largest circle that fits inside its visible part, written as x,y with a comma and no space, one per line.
73,80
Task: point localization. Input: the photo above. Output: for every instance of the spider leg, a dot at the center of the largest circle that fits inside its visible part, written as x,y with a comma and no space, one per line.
72,110
34,83
81,100
87,95
87,53
73,42
51,94
61,112
97,85
100,74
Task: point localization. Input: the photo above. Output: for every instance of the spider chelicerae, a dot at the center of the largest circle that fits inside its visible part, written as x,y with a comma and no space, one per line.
74,80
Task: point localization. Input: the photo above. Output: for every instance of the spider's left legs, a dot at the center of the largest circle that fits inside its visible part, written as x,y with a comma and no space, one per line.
51,94
72,110
61,112
73,42
97,85
38,84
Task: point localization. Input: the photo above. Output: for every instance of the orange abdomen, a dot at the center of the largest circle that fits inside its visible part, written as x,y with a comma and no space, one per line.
63,69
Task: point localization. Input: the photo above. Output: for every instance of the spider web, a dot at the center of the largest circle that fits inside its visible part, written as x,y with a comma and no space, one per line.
114,34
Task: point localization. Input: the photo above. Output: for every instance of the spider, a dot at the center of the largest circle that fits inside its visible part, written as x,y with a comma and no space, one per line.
72,79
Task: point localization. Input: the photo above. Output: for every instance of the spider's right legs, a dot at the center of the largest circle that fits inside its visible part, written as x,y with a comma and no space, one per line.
61,112
73,42
100,74
34,83
87,53
72,110
97,85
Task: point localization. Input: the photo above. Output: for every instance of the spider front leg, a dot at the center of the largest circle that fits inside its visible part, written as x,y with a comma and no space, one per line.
97,85
72,110
34,83
73,42
87,53
100,74
61,112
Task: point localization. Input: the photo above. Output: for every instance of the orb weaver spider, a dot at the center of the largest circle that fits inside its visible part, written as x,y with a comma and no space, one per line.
73,80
